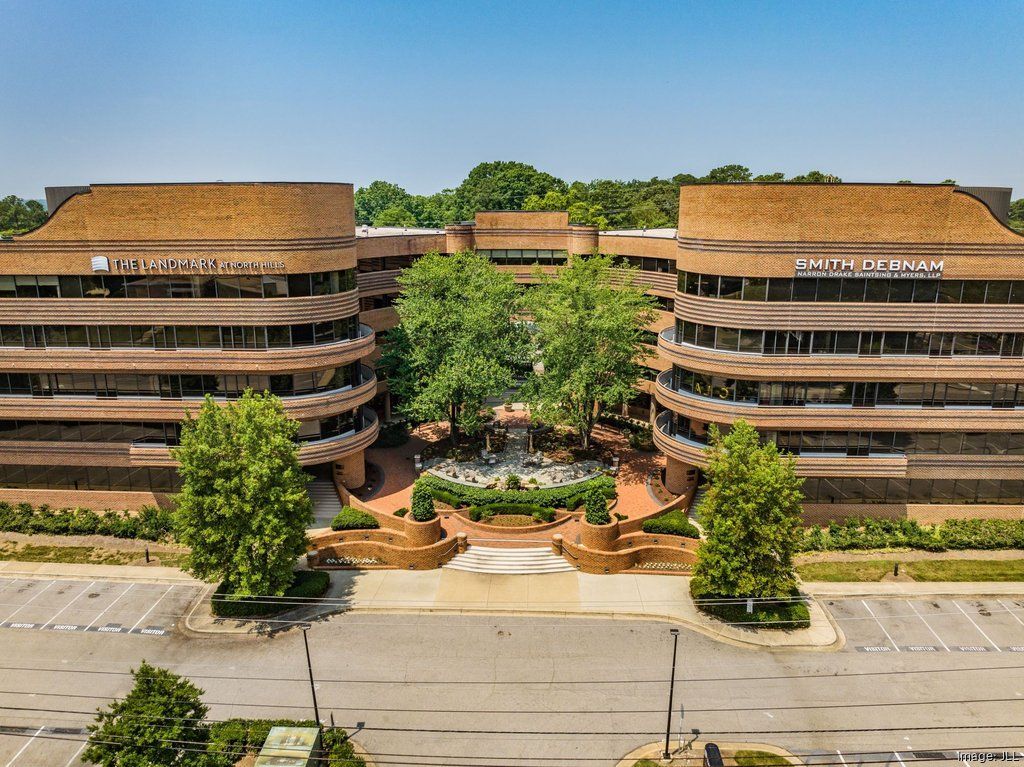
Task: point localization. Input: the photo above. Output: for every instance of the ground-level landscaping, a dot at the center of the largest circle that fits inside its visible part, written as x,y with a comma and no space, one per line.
967,570
308,585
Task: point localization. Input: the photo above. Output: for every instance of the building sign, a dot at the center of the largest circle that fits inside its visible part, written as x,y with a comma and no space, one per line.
867,267
137,265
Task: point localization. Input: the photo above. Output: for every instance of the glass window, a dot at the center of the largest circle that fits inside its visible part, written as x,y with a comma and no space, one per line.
70,286
275,286
901,291
8,290
756,288
829,290
974,292
250,287
730,287
298,285
998,292
25,286
853,289
804,288
228,287
950,291
926,291
877,291
780,289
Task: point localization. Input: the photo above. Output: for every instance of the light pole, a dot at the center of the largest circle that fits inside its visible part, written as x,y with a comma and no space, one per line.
309,666
671,692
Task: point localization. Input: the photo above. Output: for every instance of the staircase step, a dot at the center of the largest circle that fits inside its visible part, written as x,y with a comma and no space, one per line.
532,561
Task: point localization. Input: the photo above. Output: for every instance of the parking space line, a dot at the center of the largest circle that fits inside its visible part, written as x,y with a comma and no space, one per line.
868,608
74,756
44,588
840,755
968,617
53,620
899,758
22,749
151,607
1011,612
926,623
116,600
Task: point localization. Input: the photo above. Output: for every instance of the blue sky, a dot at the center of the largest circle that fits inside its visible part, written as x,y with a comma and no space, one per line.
419,92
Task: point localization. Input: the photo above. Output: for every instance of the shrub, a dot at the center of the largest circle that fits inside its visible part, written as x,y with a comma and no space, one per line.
671,523
422,504
513,482
549,497
401,512
982,533
597,509
782,615
642,439
354,519
308,584
234,738
539,513
447,498
150,523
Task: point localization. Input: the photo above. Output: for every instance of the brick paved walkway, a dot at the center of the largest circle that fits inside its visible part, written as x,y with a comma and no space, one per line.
399,474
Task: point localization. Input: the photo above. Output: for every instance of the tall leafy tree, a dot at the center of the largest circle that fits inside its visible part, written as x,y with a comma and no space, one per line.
396,215
159,723
1017,214
243,508
18,215
589,324
372,200
502,186
751,517
457,342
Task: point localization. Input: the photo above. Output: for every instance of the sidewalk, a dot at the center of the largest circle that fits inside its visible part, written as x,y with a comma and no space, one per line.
904,589
622,596
63,571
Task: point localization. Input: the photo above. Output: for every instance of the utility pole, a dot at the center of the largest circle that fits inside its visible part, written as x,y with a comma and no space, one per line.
667,755
309,666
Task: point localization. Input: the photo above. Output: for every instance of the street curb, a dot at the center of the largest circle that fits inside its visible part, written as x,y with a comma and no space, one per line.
654,751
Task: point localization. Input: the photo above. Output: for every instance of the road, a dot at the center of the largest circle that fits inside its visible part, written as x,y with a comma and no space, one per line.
529,691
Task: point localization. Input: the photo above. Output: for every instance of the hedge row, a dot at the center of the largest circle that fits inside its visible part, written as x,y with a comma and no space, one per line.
232,739
150,524
539,513
671,523
570,497
354,519
857,534
308,584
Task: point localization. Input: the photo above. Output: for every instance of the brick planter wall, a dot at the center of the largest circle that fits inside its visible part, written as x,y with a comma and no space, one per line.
400,557
600,537
421,533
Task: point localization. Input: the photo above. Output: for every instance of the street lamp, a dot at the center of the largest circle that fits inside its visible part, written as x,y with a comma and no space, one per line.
671,692
309,665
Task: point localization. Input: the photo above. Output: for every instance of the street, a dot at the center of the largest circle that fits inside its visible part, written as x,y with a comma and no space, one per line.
437,689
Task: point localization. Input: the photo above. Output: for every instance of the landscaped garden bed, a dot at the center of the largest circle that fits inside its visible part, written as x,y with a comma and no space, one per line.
569,497
673,522
307,586
785,614
953,534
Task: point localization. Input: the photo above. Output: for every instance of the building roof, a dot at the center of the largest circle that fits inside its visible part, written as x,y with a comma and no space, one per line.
668,234
393,231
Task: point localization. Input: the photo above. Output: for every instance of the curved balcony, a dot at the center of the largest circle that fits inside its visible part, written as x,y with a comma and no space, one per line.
785,315
757,366
153,454
822,465
836,417
302,407
178,311
294,359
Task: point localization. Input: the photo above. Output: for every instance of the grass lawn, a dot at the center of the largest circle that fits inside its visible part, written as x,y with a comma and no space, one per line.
84,555
966,570
865,570
759,759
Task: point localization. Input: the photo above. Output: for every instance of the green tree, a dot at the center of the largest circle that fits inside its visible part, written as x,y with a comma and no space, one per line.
502,186
160,722
751,518
727,174
372,200
1017,214
395,215
775,177
580,211
18,215
816,177
589,325
243,507
457,343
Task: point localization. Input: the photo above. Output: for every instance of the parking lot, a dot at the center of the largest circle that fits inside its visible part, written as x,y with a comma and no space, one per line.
99,606
965,625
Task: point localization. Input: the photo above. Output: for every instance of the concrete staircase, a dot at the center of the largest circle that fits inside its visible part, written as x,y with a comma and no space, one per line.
533,561
326,503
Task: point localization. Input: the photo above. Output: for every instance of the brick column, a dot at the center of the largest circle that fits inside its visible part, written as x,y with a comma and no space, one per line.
351,470
676,480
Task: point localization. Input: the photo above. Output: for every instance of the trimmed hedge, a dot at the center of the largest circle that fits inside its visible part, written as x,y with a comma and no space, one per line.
548,497
422,505
308,584
232,739
149,524
781,615
597,509
859,534
354,519
671,523
539,513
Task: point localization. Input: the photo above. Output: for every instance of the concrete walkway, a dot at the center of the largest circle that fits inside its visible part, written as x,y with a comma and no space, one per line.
59,570
573,594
